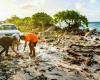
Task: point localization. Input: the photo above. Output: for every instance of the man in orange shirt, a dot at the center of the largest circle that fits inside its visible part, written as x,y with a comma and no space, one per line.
32,39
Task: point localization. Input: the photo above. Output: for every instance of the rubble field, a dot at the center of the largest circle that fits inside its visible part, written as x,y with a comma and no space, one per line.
71,58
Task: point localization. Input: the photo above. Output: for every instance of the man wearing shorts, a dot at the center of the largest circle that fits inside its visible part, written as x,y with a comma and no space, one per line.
32,39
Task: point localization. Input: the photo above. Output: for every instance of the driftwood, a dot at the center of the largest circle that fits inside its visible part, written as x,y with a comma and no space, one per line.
86,50
73,54
90,33
61,37
78,61
82,46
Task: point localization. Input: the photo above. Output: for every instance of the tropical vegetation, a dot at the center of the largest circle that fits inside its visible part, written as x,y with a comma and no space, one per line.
75,22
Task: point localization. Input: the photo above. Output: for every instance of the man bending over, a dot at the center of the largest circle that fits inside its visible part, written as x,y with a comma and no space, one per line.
32,39
6,42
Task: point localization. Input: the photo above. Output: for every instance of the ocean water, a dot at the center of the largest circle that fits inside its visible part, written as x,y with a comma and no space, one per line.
95,25
91,25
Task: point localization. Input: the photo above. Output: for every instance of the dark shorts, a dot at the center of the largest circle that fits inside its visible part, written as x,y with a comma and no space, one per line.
32,44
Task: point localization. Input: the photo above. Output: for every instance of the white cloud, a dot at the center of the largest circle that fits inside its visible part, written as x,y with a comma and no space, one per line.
27,7
5,11
81,7
94,16
35,3
38,3
84,10
23,8
92,1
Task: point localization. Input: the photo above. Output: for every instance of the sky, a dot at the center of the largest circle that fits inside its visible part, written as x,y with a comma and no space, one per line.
25,8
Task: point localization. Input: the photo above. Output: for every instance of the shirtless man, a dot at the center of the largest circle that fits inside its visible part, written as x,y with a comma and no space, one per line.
7,42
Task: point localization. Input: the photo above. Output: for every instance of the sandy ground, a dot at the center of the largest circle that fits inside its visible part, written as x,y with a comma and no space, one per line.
50,63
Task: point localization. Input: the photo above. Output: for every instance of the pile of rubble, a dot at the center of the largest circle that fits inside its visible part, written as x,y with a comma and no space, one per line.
77,60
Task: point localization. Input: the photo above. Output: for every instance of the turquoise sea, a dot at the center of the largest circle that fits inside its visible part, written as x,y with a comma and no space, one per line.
93,25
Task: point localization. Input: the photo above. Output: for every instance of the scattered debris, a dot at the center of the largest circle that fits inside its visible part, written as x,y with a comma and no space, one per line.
69,59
